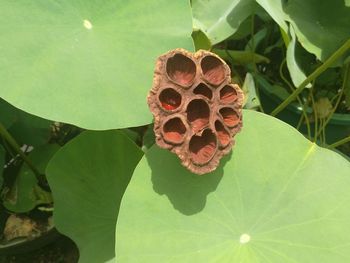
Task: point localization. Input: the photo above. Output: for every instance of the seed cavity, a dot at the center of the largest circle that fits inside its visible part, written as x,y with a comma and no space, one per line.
181,69
170,99
228,94
202,148
174,131
213,70
230,116
198,114
223,135
204,90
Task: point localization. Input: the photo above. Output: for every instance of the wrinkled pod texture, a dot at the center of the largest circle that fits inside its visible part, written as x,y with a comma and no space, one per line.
197,110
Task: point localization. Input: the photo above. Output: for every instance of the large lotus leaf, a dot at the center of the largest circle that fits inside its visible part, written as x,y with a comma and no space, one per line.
219,19
25,193
277,198
251,99
240,57
201,41
275,10
321,26
88,177
295,70
86,61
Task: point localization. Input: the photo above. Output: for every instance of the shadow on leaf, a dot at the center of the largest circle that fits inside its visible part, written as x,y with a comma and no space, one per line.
186,191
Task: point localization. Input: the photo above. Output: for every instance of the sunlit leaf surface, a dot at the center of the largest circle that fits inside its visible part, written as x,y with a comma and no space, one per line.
277,198
87,62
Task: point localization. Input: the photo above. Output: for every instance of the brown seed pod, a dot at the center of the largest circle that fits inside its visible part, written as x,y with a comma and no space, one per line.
197,110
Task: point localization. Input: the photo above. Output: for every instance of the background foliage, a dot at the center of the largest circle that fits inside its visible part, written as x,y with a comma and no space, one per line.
80,66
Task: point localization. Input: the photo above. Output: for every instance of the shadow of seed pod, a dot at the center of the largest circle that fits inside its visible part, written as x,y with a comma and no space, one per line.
197,110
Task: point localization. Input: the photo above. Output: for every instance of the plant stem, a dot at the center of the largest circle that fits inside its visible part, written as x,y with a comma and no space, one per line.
308,126
291,87
315,115
11,141
235,73
337,54
345,82
252,48
8,149
338,143
324,134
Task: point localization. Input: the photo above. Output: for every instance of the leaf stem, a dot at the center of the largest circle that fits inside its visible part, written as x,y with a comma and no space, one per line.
346,80
303,107
12,142
338,143
252,48
315,115
337,54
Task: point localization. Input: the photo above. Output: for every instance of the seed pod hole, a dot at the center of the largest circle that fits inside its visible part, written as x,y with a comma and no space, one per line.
170,99
213,70
228,94
223,135
174,130
181,69
202,148
198,114
204,90
230,116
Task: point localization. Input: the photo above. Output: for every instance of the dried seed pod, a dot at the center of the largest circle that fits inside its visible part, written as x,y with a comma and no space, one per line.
197,110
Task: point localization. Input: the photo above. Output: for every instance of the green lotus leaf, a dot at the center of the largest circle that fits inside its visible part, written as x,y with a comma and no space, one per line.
88,177
201,41
276,198
275,10
295,70
85,62
240,57
321,26
219,19
251,99
25,194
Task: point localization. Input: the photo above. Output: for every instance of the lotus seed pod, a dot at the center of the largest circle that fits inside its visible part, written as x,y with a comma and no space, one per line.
197,110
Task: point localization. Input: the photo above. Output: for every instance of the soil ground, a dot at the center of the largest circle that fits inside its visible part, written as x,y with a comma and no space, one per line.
62,250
